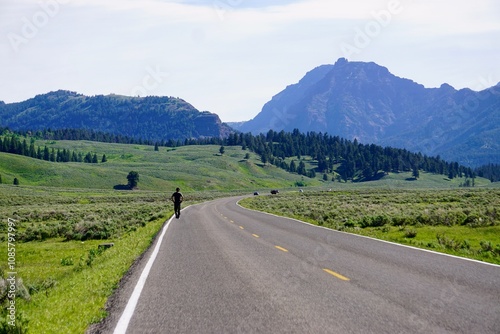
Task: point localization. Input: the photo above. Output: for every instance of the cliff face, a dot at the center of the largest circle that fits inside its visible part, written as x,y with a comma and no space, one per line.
209,125
155,118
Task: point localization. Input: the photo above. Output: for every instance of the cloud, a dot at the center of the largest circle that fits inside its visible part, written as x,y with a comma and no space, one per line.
232,56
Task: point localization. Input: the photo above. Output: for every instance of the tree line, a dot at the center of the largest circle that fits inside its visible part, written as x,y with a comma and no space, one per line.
489,171
350,160
15,145
90,135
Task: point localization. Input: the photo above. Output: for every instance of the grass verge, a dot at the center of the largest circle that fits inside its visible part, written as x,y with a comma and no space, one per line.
462,222
73,296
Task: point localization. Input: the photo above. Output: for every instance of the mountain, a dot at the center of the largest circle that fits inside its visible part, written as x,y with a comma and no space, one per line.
152,118
364,101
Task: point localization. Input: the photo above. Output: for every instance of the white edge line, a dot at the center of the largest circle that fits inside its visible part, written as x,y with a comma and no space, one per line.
364,236
121,326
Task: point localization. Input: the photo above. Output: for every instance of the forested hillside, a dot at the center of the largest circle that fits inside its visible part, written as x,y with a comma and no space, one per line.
335,158
150,118
346,160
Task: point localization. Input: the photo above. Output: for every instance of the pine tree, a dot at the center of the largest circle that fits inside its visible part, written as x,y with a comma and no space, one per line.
46,154
32,151
133,179
293,167
301,170
415,172
53,155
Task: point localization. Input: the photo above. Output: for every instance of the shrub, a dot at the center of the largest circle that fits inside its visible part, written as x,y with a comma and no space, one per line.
448,243
41,286
424,219
376,221
486,246
37,233
386,229
473,220
349,223
403,220
452,218
465,245
67,261
410,233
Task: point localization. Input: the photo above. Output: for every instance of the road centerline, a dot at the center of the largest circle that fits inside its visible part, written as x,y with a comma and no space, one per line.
333,273
281,249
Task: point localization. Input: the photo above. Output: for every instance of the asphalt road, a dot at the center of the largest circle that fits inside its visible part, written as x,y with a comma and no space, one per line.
224,269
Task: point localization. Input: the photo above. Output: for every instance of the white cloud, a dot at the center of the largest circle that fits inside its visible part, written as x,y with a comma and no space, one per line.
232,56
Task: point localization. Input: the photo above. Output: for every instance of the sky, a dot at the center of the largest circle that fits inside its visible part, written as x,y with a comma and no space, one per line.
230,57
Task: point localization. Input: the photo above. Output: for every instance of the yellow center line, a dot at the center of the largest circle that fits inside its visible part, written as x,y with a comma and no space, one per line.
255,235
242,227
231,221
281,248
336,274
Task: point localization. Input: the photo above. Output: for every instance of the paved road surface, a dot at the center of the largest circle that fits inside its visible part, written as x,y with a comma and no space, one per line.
224,269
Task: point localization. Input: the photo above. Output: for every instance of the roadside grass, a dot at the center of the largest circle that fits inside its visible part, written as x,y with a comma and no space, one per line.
463,222
64,283
66,297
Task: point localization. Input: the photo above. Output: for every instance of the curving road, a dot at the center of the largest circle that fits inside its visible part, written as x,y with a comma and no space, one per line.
223,269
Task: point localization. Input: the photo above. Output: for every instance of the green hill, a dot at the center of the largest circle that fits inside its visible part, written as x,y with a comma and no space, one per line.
193,168
153,117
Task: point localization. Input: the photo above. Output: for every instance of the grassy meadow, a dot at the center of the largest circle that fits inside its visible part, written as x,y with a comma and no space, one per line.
460,221
64,211
193,168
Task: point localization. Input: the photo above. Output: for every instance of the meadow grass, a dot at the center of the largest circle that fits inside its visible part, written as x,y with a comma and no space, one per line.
463,222
193,168
67,298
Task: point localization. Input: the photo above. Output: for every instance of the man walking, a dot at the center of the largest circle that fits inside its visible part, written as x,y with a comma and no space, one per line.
177,199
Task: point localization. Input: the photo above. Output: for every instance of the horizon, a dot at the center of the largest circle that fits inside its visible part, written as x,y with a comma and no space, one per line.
242,121
231,57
